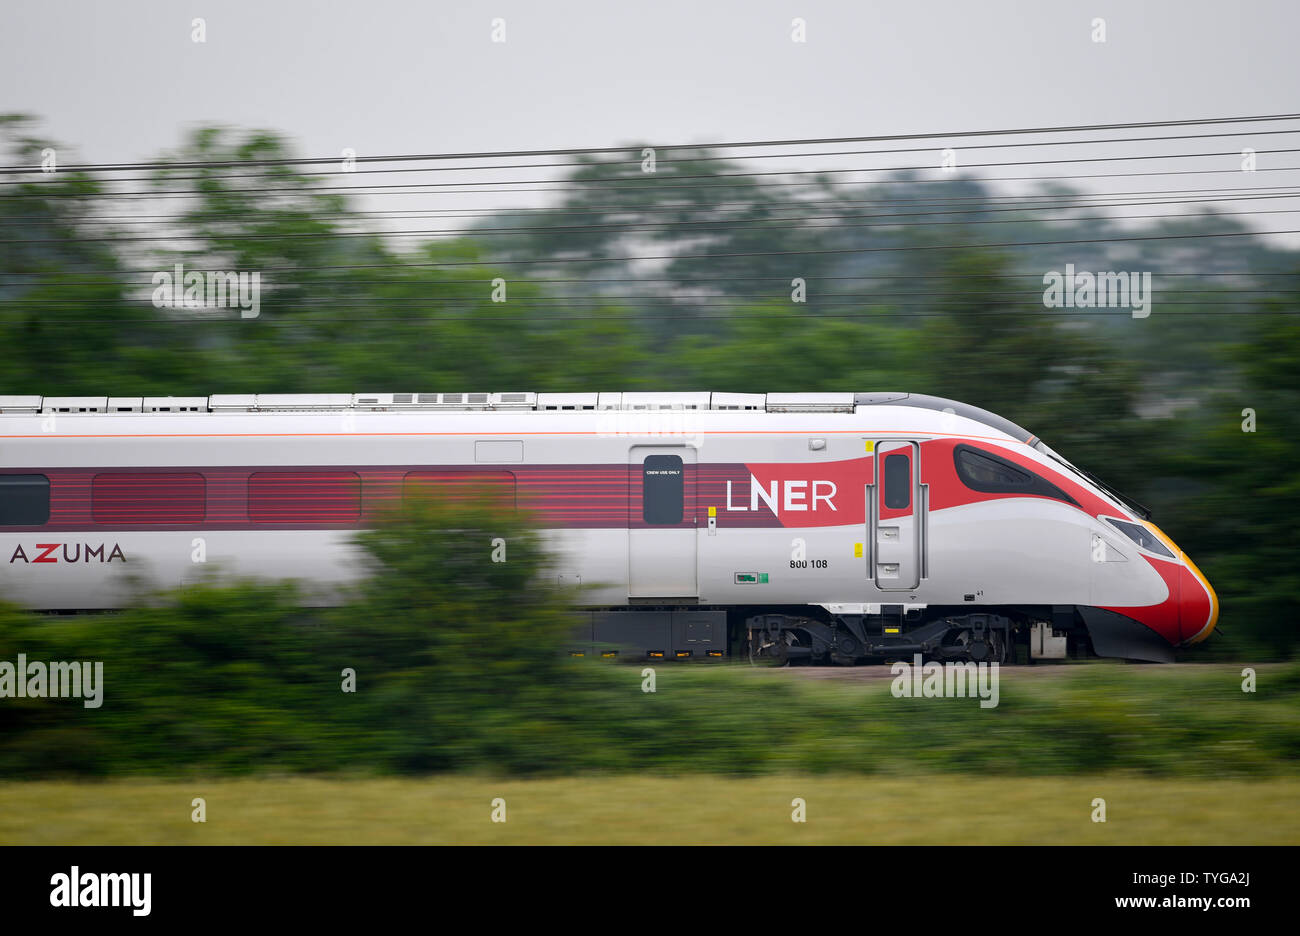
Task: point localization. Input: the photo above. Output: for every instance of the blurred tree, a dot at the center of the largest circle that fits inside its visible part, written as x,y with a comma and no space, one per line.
67,324
1237,490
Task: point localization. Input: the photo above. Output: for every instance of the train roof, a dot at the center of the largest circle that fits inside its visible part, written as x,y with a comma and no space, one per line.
508,402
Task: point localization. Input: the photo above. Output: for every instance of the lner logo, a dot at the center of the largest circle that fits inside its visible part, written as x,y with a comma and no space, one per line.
787,496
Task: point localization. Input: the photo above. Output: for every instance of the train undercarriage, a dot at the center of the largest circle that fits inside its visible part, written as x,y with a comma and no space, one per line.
850,639
814,636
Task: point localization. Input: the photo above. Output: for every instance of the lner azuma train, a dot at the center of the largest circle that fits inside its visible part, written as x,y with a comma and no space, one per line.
829,527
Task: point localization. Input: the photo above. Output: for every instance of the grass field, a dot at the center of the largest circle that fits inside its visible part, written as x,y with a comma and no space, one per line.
929,809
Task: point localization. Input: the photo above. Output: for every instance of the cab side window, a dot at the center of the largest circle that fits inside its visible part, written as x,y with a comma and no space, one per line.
992,474
989,471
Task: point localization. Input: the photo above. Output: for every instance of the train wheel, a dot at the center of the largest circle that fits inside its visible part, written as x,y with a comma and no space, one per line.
770,652
846,651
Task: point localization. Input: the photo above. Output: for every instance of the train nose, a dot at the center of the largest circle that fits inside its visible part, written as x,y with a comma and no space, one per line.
1198,605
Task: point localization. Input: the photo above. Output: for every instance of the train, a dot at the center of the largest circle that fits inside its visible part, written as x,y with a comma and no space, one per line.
835,528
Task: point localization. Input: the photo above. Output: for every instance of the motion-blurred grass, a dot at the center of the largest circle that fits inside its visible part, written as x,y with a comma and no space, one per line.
1184,722
922,809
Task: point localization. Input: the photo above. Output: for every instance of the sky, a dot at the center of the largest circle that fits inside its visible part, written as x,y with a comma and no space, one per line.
124,81
121,80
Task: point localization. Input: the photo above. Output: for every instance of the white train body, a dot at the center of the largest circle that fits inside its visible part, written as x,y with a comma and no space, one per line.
715,508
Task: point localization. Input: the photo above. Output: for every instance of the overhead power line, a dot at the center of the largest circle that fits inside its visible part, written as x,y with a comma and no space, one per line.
930,310
838,224
553,261
661,158
421,188
744,144
684,281
1027,202
669,182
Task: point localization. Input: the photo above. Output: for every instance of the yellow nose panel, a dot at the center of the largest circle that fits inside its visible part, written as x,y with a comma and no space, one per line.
1205,583
1214,603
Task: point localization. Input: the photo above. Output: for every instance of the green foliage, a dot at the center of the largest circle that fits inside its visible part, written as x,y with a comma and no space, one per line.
452,652
459,632
1240,494
214,676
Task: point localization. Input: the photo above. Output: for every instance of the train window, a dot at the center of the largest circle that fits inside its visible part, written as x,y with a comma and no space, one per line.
898,481
992,474
147,497
304,497
1141,535
663,489
984,469
24,500
497,487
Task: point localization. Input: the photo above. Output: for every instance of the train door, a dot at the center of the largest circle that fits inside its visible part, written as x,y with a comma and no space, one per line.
662,545
896,517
